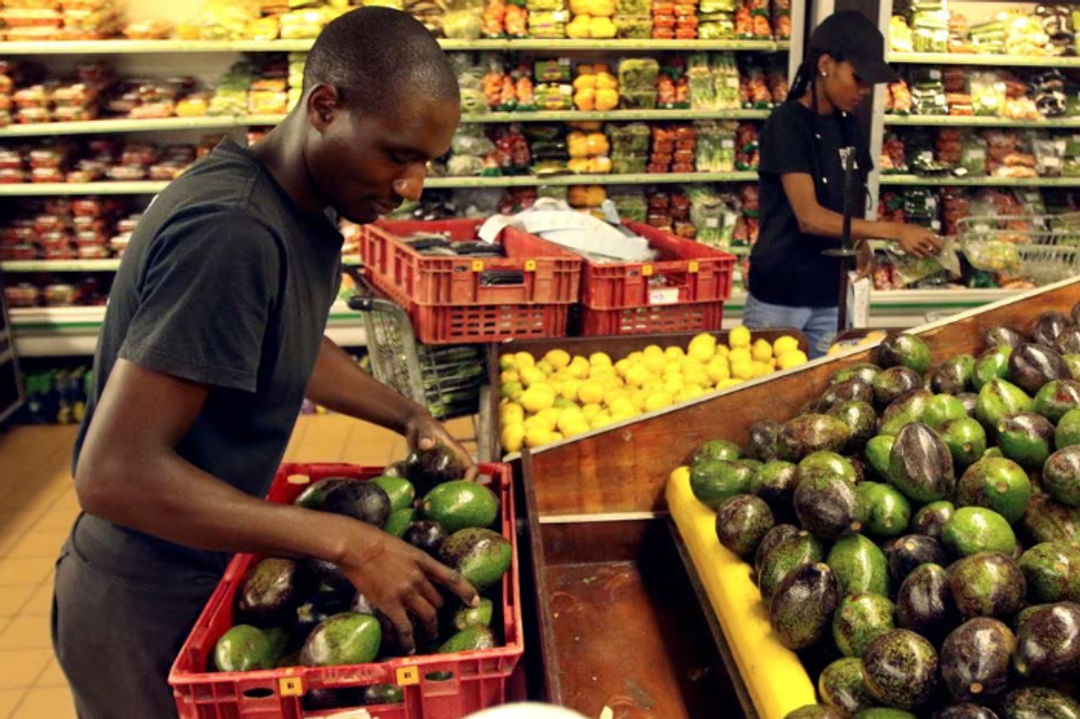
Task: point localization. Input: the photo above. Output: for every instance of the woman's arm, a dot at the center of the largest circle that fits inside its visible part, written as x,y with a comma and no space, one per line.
817,220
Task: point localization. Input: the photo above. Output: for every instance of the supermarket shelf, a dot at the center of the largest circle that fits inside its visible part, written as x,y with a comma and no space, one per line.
956,121
915,180
934,58
151,188
110,265
89,127
616,116
132,47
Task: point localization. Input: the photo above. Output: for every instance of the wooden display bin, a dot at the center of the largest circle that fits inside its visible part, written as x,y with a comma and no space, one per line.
601,497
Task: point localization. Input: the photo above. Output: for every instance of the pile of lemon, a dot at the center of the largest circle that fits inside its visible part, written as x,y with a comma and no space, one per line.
559,396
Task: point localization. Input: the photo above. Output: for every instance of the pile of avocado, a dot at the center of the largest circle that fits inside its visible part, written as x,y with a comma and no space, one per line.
916,534
306,612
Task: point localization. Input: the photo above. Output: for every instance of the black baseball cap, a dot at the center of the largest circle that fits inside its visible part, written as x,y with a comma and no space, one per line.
850,34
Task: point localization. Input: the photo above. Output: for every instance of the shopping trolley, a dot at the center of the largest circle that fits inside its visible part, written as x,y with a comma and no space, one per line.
1043,248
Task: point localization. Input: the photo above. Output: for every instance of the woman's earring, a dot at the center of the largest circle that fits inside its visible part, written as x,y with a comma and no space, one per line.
824,74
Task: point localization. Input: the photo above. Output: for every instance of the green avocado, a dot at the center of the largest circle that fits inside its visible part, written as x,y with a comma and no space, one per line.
1026,438
815,711
859,620
1061,476
943,408
900,669
1057,397
400,491
245,648
480,555
877,453
977,529
920,464
826,464
955,376
861,420
905,350
789,553
775,483
468,640
904,410
1047,520
742,522
859,565
999,399
461,504
802,607
966,440
1039,703
998,484
346,638
893,383
715,449
478,616
1052,571
399,521
713,481
841,685
991,364
975,659
809,433
828,506
931,518
887,511
988,584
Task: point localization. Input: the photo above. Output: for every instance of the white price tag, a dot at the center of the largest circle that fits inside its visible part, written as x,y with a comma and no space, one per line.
665,296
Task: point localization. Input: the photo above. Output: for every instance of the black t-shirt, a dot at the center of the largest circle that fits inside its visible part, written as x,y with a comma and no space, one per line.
226,283
786,265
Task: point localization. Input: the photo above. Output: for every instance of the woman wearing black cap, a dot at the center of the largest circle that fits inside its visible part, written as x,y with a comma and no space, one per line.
792,284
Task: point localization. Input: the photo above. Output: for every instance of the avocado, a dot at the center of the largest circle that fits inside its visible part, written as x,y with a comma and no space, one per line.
1026,612
1031,366
802,607
999,399
320,607
861,420
1002,335
400,491
397,469
941,409
931,518
815,711
924,603
382,694
713,481
809,433
1047,520
840,392
894,382
346,638
900,669
772,538
860,619
245,648
887,511
715,449
827,505
426,468
992,364
862,371
461,504
775,483
907,553
988,584
1039,703
970,400
826,464
993,452
478,616
905,350
1067,432
975,659
742,522
1052,571
955,376
271,591
1027,439
356,498
320,699
977,529
468,640
841,685
1048,326
884,713
964,710
998,484
1061,476
764,435
1048,644
1072,361
399,521
480,555
1056,398
920,464
909,407
878,451
788,554
427,535
859,566
966,440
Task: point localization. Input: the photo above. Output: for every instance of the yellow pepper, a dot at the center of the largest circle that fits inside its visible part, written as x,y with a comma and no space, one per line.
602,28
606,100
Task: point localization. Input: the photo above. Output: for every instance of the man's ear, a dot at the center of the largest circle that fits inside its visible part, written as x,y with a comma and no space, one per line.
322,103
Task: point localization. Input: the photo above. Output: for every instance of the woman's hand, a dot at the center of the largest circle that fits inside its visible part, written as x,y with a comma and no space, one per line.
918,241
399,579
422,431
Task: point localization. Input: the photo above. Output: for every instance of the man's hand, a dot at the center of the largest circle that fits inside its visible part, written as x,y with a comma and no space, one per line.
864,259
397,579
918,241
422,431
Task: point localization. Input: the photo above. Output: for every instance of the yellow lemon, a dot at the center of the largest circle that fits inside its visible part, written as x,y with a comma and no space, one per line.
621,406
622,367
635,356
792,359
579,368
739,337
672,385
740,354
538,397
509,376
702,347
600,421
538,438
654,363
785,344
591,410
638,398
545,367
512,414
680,474
541,422
728,383
697,376
718,370
637,376
577,426
509,389
557,358
513,437
568,418
507,362
556,436
531,376
742,369
684,394
551,413
722,351
569,389
524,359
761,350
564,403
657,400
674,352
652,351
590,392
761,369
600,359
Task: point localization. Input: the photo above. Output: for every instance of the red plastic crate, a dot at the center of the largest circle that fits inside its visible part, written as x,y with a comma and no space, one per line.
692,272
477,679
549,273
692,317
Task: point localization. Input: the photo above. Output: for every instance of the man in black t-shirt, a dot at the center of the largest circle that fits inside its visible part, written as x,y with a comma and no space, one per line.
212,338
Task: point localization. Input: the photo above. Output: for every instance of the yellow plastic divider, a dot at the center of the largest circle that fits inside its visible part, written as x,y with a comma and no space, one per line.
774,676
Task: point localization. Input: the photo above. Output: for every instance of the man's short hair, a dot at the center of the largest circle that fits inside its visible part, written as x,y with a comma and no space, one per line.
376,57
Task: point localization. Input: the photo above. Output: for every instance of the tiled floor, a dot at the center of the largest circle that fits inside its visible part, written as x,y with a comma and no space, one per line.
37,506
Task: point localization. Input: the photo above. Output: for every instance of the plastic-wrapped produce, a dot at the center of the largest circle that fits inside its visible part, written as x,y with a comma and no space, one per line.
715,146
637,82
973,155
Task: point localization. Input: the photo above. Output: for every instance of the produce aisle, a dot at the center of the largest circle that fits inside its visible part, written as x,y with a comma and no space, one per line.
37,508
